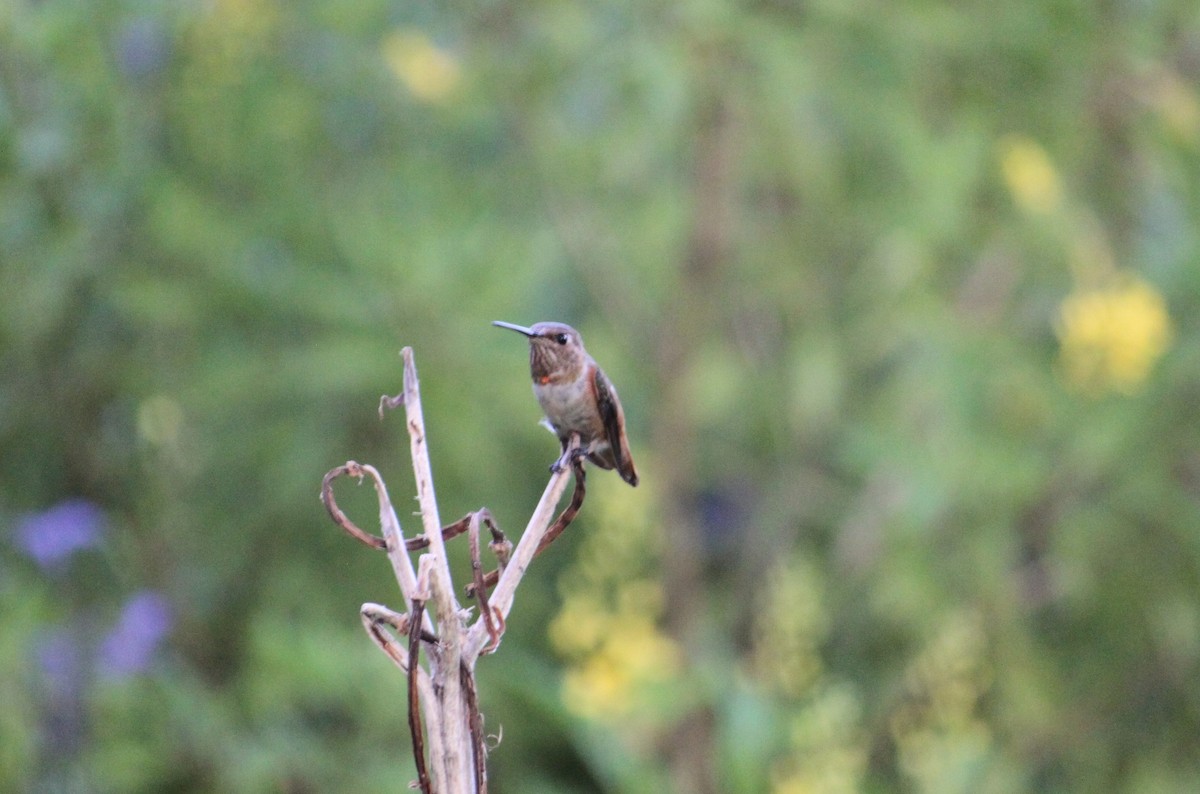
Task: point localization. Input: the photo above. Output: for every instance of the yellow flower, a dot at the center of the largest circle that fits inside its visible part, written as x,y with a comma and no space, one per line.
580,625
828,750
644,652
597,689
607,627
619,653
789,627
936,727
1030,175
430,73
1111,336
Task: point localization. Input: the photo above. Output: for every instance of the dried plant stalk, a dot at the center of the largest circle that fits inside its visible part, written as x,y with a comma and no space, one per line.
444,711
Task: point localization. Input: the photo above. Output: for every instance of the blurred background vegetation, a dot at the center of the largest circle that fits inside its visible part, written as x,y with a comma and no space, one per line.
901,299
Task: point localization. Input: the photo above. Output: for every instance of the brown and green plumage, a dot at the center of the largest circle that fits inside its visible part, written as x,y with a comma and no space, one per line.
577,397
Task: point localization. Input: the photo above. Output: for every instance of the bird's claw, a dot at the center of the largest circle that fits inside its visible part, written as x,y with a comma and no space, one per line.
568,459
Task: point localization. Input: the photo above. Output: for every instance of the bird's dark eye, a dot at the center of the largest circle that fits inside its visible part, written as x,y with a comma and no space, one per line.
561,339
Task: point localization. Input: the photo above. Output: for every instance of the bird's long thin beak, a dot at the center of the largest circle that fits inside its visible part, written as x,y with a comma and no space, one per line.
520,329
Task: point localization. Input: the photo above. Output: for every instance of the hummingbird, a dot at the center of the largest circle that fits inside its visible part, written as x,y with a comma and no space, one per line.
576,397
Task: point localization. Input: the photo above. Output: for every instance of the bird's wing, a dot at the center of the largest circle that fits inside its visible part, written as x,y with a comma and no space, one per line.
610,415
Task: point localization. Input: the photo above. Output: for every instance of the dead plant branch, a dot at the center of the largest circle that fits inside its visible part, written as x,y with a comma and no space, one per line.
449,743
414,700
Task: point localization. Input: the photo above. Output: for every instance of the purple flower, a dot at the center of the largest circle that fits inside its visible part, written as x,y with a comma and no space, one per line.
52,536
131,645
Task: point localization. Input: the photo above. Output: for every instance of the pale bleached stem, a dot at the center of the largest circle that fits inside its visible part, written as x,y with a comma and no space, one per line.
430,521
402,565
373,614
454,758
502,597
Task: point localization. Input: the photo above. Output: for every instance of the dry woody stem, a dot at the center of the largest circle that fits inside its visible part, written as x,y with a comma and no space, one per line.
437,652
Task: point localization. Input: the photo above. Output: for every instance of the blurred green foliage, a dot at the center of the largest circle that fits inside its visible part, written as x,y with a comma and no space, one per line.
901,300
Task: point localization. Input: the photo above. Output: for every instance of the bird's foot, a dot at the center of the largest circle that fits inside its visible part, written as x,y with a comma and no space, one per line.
568,459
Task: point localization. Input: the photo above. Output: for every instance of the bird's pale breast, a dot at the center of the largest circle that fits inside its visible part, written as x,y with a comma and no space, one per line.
571,408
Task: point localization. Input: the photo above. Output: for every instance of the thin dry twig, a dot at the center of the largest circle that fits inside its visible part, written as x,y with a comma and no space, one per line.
374,618
501,546
481,592
475,722
349,469
414,700
568,515
561,523
393,537
506,585
449,532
